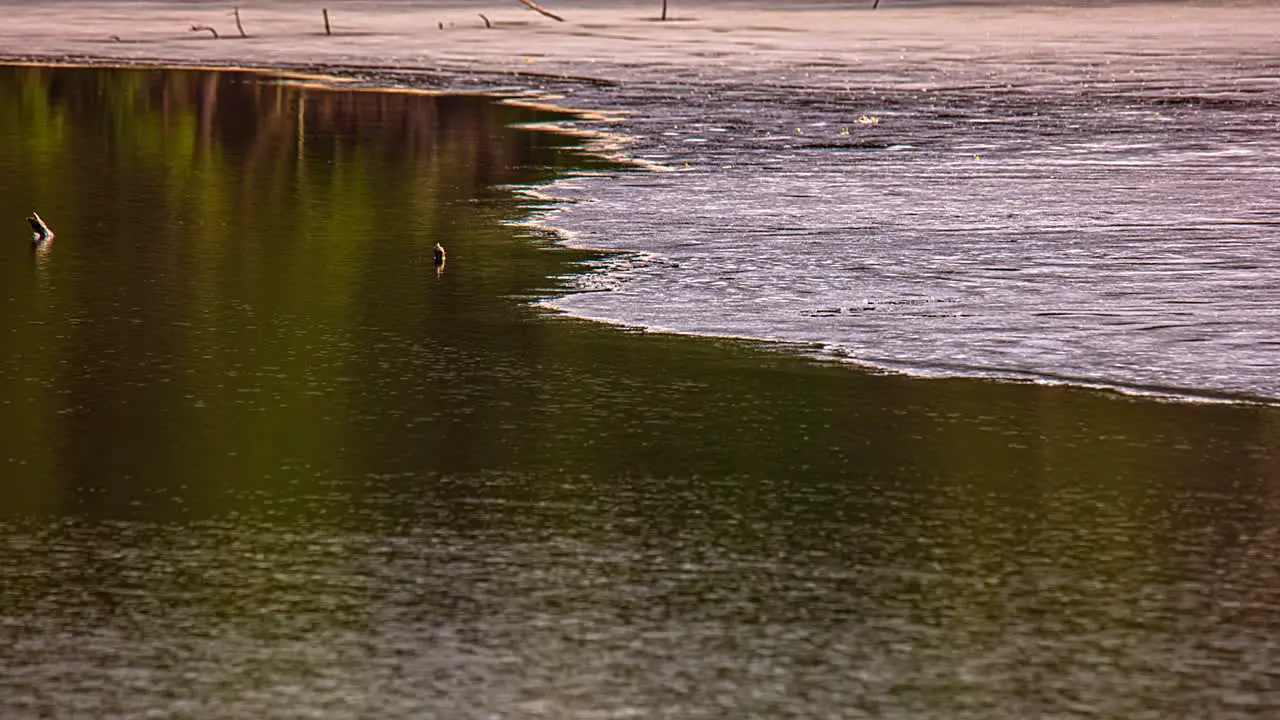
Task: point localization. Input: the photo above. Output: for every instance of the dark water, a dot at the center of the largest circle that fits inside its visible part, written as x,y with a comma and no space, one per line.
261,459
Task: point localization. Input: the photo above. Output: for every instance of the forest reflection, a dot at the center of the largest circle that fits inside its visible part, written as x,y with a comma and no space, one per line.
259,450
241,300
220,236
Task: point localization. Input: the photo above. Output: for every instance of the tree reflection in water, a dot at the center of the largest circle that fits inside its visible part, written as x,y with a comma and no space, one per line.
257,458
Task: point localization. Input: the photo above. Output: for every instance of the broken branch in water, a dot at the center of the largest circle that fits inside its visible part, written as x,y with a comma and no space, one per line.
664,9
534,6
198,28
239,26
327,31
487,24
39,229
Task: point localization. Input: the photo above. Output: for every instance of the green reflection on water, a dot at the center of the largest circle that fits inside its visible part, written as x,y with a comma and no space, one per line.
224,245
241,300
239,331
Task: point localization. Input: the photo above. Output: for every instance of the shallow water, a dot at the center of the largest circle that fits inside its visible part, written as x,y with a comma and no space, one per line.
259,458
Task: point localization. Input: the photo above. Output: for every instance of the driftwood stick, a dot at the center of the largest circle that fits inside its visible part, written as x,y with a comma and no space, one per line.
534,6
664,9
875,4
41,232
487,24
325,11
198,28
239,26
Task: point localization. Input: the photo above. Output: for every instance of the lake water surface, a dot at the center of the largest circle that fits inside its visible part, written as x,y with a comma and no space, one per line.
261,458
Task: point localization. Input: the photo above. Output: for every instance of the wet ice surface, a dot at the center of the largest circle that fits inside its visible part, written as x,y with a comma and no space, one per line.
1099,219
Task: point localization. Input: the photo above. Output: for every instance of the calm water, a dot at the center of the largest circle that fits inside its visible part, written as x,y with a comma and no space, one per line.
261,459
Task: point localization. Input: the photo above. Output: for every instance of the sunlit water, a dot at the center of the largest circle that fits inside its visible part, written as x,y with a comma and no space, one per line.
1094,216
259,457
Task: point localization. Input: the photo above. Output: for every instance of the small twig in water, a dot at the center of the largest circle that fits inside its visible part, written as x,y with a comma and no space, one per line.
198,28
534,6
327,31
41,232
875,4
664,9
487,24
241,27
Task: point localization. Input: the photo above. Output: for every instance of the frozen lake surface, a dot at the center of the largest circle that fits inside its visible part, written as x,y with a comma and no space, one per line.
1096,217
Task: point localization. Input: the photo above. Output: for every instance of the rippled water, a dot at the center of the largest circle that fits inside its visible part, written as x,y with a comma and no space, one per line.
260,458
1097,215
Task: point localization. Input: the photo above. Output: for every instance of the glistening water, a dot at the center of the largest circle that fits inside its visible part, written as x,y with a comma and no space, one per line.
1078,210
259,457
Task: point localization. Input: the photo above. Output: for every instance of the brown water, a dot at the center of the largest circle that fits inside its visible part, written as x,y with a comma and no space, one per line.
261,459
